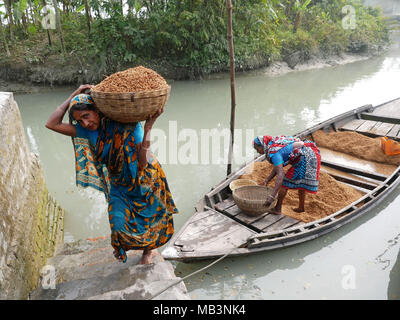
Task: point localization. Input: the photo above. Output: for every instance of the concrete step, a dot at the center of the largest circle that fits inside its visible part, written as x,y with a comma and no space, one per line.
141,291
136,282
99,261
81,259
87,269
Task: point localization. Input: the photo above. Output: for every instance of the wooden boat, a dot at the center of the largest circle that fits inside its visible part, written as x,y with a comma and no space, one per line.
219,227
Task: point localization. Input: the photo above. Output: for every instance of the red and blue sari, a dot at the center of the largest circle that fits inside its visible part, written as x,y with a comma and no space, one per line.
140,204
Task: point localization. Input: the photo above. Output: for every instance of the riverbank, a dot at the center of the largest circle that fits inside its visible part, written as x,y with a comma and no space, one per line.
35,79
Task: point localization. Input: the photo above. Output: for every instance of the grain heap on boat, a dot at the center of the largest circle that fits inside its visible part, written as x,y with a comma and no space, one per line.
332,195
355,144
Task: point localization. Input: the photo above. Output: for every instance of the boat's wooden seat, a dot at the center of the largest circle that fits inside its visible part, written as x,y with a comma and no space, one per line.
264,223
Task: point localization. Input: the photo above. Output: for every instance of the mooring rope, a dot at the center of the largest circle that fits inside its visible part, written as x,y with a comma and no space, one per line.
193,273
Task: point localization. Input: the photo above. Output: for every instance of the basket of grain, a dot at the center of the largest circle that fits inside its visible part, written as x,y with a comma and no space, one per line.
131,95
252,199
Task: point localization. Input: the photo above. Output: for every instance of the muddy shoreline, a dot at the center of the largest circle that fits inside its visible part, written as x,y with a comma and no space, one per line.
44,79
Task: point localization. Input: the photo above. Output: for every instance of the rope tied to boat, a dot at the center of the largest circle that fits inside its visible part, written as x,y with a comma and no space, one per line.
197,271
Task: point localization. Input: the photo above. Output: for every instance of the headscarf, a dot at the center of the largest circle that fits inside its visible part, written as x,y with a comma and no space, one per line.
262,141
272,145
82,98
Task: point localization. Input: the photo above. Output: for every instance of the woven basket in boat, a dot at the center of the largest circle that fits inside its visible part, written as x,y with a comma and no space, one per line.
252,199
131,106
241,183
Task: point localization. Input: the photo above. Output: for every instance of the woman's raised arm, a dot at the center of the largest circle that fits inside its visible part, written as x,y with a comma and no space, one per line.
55,120
146,138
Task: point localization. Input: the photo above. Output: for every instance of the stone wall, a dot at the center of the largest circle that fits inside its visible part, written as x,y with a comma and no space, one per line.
31,222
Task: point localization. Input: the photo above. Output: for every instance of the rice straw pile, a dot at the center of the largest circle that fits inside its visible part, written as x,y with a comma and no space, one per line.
138,79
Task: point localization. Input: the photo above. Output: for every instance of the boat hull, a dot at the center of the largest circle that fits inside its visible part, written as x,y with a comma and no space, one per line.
218,228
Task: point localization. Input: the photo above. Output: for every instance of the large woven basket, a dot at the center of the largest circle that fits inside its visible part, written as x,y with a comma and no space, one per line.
252,199
131,106
241,183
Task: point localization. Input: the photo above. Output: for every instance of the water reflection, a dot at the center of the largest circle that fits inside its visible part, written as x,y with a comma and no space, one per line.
393,292
311,270
293,101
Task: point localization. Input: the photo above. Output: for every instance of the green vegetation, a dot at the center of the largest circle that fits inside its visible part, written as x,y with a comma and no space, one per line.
186,36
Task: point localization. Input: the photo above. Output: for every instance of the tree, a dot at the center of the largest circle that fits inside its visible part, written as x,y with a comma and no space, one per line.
3,35
58,22
47,30
8,4
88,15
299,9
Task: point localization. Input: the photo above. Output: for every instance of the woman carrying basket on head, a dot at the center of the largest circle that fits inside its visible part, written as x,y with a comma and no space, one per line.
115,158
304,156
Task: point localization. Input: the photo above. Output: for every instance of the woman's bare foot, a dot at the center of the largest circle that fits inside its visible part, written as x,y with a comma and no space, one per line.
275,211
146,257
298,210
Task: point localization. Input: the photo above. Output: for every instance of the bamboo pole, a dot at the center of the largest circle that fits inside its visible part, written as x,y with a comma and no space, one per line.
233,98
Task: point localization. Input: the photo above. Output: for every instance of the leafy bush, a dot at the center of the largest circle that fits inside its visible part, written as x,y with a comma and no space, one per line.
191,35
301,41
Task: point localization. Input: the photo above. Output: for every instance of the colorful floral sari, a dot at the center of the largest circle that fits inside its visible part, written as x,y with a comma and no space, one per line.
140,204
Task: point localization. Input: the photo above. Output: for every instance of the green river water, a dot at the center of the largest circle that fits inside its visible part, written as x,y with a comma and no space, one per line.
358,261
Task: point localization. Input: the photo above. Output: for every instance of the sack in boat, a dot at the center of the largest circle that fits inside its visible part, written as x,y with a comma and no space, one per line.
390,147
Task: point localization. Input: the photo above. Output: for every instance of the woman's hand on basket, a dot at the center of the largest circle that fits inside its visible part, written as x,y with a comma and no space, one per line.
82,89
150,120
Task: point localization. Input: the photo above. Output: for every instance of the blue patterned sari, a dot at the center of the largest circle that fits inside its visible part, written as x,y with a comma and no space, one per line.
140,204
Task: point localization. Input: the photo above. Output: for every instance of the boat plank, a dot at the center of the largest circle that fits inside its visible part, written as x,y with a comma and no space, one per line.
233,211
240,216
373,127
393,133
281,224
204,214
340,159
225,204
348,169
354,182
352,125
236,237
382,129
367,126
332,172
391,109
204,226
267,221
247,219
214,232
